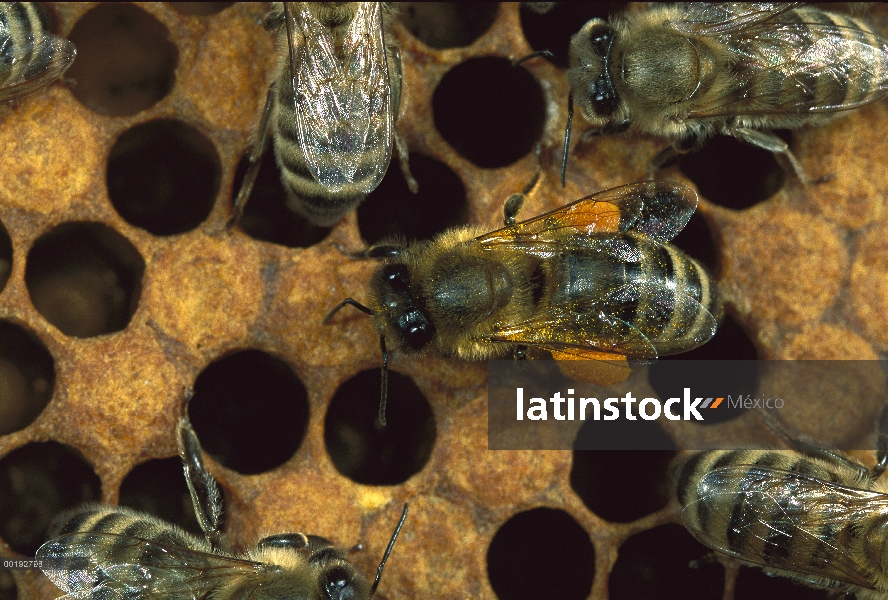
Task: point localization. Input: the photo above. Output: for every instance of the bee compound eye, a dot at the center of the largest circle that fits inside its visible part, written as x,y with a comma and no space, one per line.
338,584
397,277
603,96
418,331
601,37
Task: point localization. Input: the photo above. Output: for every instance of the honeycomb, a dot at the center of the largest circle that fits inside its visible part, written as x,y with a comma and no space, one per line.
120,288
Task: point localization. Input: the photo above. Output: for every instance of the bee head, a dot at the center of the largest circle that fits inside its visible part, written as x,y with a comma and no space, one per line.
589,74
402,307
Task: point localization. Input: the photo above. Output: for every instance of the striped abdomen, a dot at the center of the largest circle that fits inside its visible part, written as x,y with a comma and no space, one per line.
22,26
634,291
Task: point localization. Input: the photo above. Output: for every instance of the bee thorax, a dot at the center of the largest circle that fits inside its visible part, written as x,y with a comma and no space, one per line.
468,292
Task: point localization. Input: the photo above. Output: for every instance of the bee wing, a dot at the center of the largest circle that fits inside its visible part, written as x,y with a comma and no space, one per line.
48,57
343,105
657,210
819,60
128,567
767,510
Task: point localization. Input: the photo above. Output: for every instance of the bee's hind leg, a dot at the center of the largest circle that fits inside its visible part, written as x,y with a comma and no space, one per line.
205,495
255,159
670,155
772,143
514,202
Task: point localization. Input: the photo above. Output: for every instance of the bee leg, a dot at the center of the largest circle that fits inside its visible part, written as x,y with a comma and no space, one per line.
514,202
670,155
404,158
204,490
772,143
256,153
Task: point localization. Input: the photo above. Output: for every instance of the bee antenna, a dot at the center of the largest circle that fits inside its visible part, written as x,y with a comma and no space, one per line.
567,129
388,551
383,391
343,304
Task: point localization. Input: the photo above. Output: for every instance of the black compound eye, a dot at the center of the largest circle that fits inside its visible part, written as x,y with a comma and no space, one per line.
603,95
416,330
294,541
601,38
338,584
397,277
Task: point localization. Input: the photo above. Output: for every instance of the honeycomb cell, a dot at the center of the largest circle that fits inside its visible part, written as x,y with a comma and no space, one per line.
363,450
735,174
447,24
84,278
754,584
551,30
27,377
5,256
163,176
640,476
655,564
490,112
697,242
158,487
8,588
266,216
200,9
541,553
249,411
393,210
37,482
125,61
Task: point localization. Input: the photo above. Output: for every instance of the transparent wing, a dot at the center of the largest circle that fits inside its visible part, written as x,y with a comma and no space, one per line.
31,68
657,210
127,567
766,511
343,100
788,68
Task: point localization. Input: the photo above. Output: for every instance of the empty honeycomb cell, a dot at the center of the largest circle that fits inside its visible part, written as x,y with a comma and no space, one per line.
393,210
158,487
641,477
5,256
765,245
27,377
200,9
84,278
266,216
447,24
250,411
754,584
363,450
163,176
696,241
541,553
8,588
733,173
125,61
491,112
551,30
869,284
656,563
37,482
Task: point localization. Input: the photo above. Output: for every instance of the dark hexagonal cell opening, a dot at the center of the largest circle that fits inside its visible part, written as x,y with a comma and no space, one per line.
8,588
158,487
541,553
163,176
37,482
125,61
27,377
447,24
250,411
697,241
266,216
754,584
641,476
735,174
365,451
491,112
551,28
655,564
5,256
200,9
84,278
393,210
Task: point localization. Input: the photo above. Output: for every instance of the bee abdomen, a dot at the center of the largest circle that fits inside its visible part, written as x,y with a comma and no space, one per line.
22,25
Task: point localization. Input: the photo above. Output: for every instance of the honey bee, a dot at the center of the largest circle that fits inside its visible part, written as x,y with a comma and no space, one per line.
594,279
30,56
814,515
116,552
685,72
332,107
